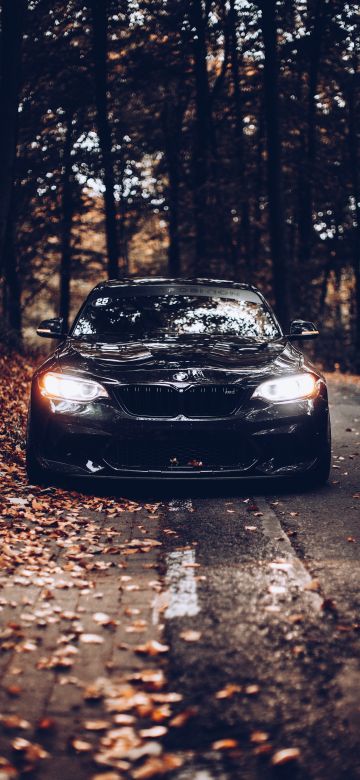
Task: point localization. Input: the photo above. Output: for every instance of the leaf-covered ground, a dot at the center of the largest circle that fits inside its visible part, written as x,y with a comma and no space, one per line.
81,672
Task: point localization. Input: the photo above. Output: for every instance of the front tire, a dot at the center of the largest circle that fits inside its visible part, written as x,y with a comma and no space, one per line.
319,475
35,473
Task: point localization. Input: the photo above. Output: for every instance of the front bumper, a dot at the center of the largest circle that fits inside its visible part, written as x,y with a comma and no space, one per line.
100,439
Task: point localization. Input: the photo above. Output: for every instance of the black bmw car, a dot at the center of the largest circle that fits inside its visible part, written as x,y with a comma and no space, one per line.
178,379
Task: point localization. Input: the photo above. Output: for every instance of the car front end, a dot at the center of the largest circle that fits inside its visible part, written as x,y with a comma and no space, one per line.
202,424
188,405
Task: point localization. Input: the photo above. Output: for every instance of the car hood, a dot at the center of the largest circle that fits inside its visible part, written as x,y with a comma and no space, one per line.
199,357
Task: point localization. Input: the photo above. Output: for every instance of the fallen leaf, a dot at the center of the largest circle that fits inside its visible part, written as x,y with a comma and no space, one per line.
7,770
259,736
285,756
96,725
153,733
153,767
296,618
91,639
12,722
190,635
31,752
225,744
153,679
13,690
228,691
181,719
152,647
252,690
313,585
80,745
262,750
103,619
46,725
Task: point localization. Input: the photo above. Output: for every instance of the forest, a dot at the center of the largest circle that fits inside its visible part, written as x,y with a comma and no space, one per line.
184,138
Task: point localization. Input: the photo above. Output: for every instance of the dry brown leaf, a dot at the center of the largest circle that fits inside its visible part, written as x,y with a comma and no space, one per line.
190,635
225,744
181,719
154,732
103,619
7,770
296,618
313,585
285,756
153,679
259,736
263,750
80,745
123,719
152,647
46,725
252,690
228,691
10,722
91,639
96,725
154,766
32,752
13,690
94,691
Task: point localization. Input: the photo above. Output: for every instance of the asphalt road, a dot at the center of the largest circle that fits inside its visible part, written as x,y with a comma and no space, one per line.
256,597
278,609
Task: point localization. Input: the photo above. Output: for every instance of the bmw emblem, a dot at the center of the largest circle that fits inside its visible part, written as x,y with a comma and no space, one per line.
181,376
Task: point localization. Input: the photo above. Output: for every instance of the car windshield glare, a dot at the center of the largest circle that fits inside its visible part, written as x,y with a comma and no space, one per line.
131,317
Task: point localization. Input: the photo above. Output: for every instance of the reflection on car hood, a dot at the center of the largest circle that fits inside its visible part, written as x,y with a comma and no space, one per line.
204,353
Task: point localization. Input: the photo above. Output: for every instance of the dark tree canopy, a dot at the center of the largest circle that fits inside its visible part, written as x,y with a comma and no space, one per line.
182,137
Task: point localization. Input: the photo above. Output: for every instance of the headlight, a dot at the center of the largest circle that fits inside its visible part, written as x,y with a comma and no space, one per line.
70,388
287,388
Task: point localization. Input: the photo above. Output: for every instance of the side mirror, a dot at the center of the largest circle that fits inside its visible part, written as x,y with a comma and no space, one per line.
51,329
301,329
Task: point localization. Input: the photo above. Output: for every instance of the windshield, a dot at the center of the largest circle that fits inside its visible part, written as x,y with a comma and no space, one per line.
137,317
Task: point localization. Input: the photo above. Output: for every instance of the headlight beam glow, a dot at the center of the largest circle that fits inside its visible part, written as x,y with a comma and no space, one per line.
288,388
70,388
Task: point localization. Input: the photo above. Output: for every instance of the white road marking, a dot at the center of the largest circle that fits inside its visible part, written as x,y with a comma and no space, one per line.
182,589
180,599
293,565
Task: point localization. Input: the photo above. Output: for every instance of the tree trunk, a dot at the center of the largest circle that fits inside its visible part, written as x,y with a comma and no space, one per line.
123,240
274,180
244,220
307,173
171,145
12,16
12,288
67,220
354,162
202,137
99,10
